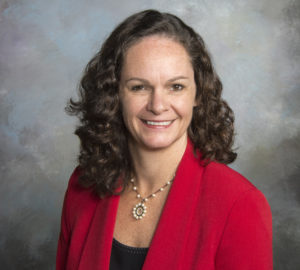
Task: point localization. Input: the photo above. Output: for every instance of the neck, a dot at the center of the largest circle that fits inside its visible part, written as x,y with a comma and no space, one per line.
153,168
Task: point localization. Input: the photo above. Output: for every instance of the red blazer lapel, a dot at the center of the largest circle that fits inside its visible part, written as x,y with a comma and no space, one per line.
170,239
97,249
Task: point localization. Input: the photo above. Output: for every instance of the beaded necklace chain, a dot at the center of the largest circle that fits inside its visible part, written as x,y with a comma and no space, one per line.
140,209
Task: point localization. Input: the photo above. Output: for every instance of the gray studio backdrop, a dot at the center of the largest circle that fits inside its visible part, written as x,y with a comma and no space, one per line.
44,46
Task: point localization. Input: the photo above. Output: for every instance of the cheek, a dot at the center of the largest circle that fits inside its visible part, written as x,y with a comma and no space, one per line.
130,109
185,107
126,112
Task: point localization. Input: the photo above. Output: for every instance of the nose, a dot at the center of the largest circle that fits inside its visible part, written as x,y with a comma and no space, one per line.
158,102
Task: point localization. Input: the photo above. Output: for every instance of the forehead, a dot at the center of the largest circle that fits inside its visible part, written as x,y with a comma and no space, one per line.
155,54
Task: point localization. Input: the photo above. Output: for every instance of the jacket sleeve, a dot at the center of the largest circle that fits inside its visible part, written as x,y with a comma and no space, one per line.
246,242
64,236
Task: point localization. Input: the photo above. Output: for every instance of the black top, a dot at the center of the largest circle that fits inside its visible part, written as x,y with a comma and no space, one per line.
126,258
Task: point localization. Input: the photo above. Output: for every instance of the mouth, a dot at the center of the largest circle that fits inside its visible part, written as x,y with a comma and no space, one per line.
157,124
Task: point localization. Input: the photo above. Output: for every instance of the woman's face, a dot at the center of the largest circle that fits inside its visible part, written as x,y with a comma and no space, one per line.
157,92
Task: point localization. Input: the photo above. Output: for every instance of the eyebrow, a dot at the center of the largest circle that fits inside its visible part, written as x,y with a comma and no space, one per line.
146,81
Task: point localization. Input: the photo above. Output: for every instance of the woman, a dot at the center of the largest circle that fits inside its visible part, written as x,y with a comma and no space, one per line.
152,190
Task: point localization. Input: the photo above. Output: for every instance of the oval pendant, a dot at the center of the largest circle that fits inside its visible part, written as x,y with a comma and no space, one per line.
139,211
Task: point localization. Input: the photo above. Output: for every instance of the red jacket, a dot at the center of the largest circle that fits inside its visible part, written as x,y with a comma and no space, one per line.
213,218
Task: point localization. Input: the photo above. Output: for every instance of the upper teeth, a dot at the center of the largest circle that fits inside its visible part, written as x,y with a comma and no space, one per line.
159,123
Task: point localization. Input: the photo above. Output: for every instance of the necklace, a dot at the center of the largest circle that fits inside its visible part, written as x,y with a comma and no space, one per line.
140,209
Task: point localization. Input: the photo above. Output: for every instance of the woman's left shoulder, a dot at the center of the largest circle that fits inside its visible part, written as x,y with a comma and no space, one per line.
227,183
222,174
224,190
243,215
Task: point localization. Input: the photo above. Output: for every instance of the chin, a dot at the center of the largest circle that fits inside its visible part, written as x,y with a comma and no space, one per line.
158,144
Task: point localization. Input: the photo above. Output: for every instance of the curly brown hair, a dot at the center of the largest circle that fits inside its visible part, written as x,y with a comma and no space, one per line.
104,155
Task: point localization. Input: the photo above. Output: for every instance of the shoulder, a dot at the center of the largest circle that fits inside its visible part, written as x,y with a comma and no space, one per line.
79,202
73,184
226,187
75,189
243,217
225,178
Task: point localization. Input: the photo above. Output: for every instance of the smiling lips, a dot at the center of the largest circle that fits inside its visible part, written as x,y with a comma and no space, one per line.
157,124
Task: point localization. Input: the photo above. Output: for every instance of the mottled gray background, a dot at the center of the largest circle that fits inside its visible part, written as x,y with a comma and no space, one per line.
44,46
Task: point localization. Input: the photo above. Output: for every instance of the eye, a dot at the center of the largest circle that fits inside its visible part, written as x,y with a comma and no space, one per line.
137,87
177,87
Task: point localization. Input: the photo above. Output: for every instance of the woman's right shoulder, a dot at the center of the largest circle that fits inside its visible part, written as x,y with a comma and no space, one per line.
78,207
76,194
73,180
